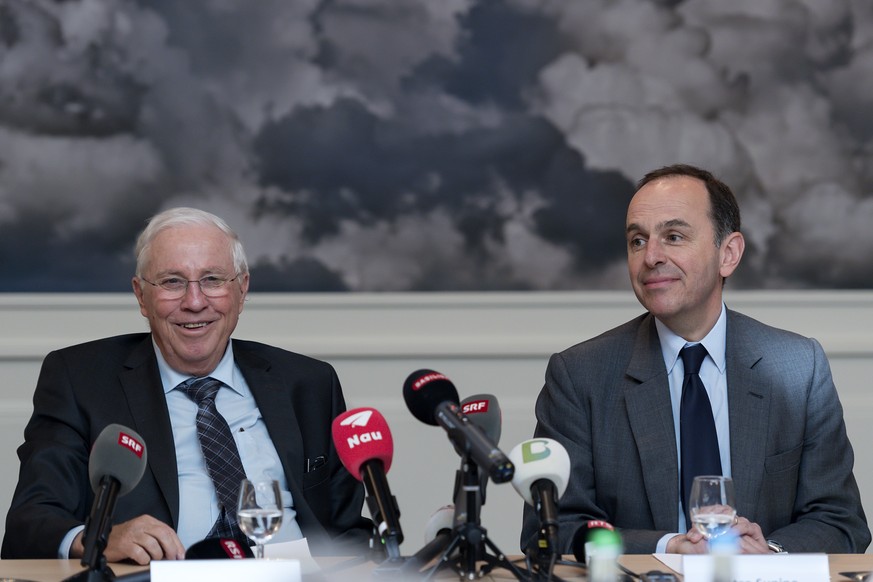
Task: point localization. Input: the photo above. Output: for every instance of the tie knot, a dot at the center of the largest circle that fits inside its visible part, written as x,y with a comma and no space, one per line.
201,390
692,357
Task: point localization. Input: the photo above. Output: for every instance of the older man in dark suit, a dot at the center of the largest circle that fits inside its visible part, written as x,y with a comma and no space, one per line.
191,283
615,401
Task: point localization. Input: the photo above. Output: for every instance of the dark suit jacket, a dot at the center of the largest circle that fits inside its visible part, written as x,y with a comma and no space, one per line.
84,388
607,401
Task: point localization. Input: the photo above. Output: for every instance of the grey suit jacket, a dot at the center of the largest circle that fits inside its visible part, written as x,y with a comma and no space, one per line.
82,389
607,401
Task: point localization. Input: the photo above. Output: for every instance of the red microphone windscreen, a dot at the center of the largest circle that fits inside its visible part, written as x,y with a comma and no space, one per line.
362,435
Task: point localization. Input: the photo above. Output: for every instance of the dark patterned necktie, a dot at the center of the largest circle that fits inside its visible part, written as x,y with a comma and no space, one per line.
220,452
699,441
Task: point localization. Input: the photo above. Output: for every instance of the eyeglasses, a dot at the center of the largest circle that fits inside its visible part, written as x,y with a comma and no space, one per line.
176,287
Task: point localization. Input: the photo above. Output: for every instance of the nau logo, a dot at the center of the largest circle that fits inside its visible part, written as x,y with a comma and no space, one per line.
125,440
357,419
364,438
535,450
475,406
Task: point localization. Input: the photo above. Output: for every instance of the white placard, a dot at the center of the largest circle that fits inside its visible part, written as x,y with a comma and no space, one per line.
293,550
762,567
226,570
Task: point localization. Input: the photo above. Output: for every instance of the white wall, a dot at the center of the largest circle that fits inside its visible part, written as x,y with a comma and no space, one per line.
495,343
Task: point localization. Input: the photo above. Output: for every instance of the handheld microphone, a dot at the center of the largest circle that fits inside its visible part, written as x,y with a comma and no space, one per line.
117,463
541,476
365,447
218,548
433,399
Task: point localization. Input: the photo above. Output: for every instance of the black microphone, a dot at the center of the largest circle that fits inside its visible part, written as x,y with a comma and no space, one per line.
364,445
218,549
117,463
433,399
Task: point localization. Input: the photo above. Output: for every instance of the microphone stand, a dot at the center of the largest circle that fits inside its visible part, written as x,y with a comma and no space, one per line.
541,555
96,535
469,538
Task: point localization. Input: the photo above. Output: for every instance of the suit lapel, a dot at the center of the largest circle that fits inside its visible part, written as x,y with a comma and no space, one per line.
276,407
748,406
650,414
142,386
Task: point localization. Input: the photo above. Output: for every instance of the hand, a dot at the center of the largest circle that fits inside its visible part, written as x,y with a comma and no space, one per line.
142,539
751,538
692,542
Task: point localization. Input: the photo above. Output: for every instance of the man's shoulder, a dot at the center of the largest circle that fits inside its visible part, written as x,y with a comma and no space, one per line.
273,354
614,339
752,328
120,343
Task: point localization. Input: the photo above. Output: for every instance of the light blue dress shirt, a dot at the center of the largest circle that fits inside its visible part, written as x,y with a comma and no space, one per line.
198,502
713,373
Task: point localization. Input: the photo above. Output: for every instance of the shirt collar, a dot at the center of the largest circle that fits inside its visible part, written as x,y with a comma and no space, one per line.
714,342
172,378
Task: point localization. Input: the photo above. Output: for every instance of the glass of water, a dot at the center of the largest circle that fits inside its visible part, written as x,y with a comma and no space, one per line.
259,511
712,505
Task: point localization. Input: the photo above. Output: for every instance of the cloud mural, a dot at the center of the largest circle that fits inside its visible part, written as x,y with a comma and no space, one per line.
375,145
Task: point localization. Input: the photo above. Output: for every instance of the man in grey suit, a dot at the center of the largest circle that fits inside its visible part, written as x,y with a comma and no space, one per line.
614,401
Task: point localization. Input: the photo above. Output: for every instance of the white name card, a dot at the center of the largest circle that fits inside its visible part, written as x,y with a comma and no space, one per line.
226,570
759,568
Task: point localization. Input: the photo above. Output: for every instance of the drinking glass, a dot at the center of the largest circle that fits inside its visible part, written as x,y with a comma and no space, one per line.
259,511
712,506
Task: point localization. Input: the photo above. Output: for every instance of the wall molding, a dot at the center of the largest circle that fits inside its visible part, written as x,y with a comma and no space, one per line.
426,324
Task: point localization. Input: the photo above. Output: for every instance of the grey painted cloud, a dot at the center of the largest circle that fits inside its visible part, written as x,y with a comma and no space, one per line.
374,145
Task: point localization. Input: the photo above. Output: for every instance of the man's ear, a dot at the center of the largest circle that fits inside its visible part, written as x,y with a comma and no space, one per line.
731,253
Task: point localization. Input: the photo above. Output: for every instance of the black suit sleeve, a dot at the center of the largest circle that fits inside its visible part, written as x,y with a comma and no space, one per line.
333,494
53,494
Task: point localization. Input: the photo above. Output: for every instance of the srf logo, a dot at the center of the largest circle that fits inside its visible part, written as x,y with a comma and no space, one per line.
232,549
125,440
475,406
534,450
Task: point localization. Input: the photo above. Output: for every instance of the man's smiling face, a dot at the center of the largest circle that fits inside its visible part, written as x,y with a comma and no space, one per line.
191,331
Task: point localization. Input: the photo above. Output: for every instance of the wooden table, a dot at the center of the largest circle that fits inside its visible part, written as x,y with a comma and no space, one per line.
57,570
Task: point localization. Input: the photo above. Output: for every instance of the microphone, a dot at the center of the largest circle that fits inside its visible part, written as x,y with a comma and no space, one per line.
484,411
218,548
438,534
541,476
365,447
583,536
117,463
433,399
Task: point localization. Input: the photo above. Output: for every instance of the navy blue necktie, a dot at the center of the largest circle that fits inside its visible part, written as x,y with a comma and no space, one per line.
220,452
699,441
